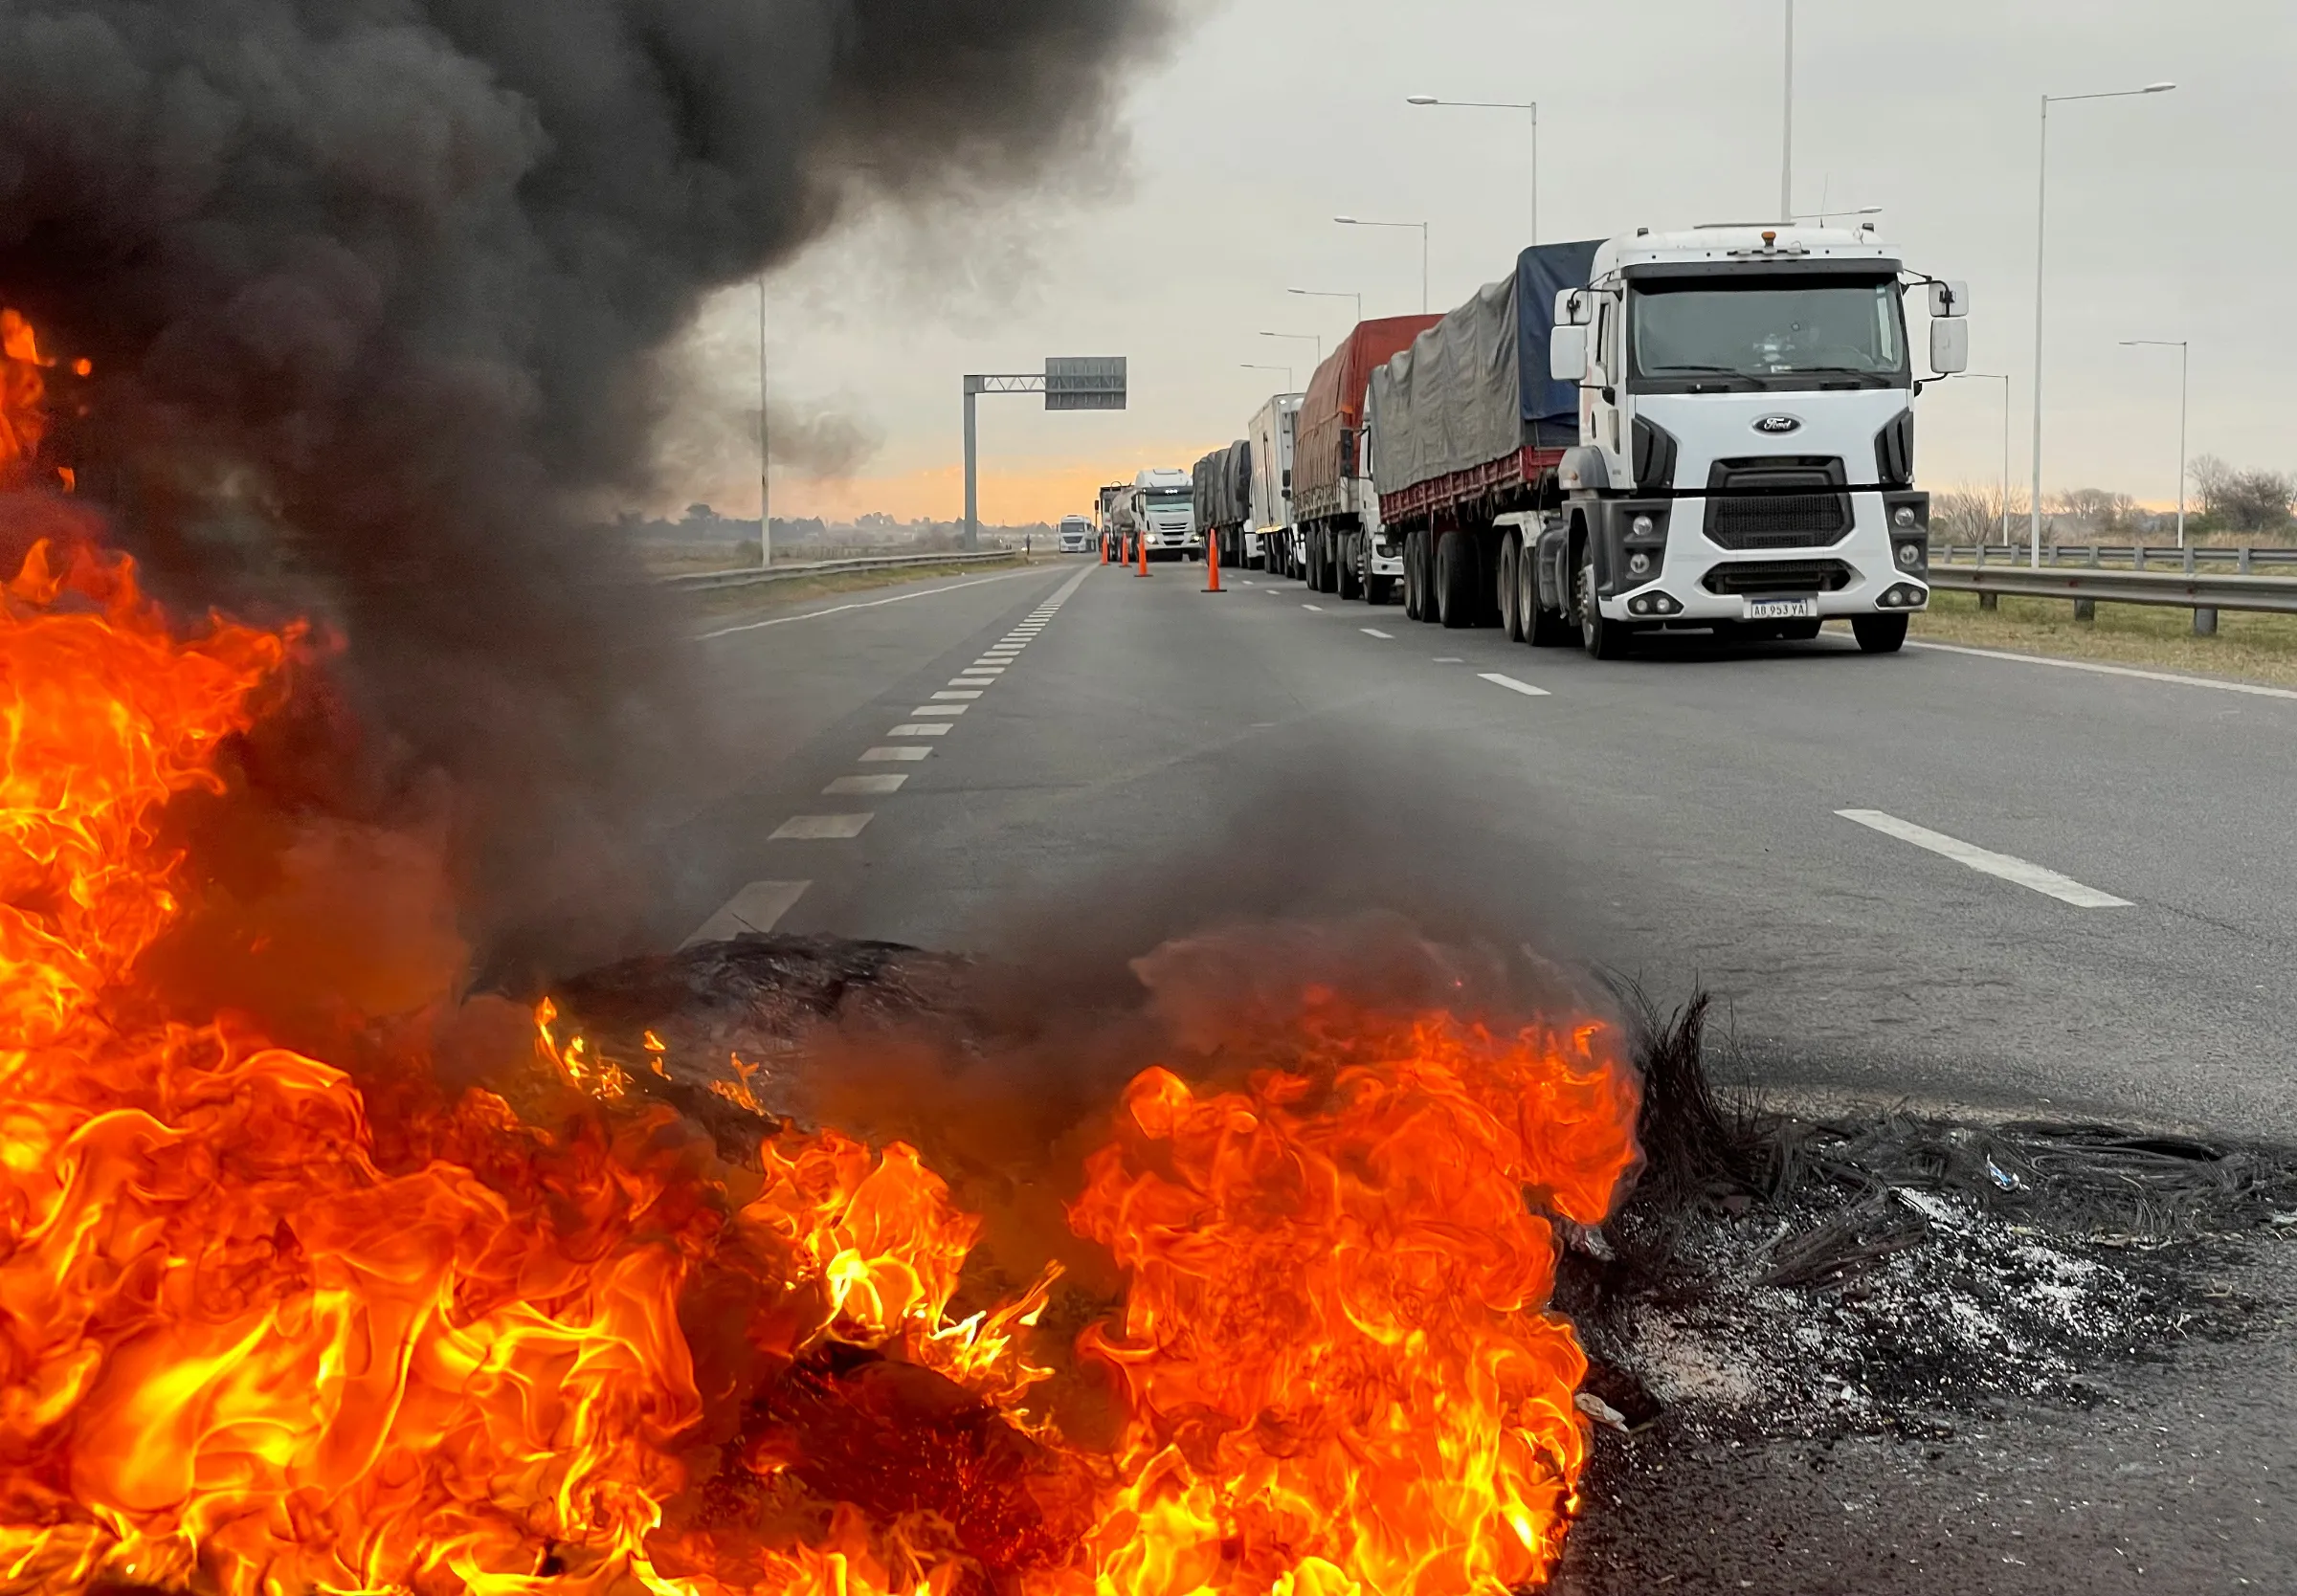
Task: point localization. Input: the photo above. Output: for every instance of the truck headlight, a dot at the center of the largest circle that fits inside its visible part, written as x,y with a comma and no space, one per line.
1909,555
1638,564
1905,518
1643,526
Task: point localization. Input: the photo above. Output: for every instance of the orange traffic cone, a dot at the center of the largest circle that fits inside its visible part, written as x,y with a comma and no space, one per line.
1212,556
1141,540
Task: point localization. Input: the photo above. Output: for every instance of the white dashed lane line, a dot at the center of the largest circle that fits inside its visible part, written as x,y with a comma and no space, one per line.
820,827
957,696
1514,686
1375,632
757,907
915,728
1318,608
846,787
2037,878
940,709
894,754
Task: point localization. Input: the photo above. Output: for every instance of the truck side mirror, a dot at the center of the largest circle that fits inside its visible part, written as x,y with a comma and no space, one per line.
1566,354
1575,308
1949,347
1949,300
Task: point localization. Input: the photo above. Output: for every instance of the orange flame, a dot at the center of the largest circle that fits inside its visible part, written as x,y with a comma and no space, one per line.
250,1343
24,404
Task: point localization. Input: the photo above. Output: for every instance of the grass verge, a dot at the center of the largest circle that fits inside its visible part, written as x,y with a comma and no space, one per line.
720,606
2256,647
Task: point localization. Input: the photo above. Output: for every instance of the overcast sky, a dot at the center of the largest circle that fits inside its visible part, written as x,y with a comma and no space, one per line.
2173,216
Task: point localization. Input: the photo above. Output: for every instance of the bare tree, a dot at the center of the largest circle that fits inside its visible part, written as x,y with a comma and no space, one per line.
1973,512
2234,501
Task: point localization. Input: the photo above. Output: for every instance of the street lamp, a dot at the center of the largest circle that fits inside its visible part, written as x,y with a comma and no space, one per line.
2041,234
2184,354
765,455
1530,105
1351,221
1316,339
1285,370
1330,294
2001,378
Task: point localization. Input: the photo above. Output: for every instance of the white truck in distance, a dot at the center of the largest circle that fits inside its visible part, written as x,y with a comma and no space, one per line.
1163,509
1746,457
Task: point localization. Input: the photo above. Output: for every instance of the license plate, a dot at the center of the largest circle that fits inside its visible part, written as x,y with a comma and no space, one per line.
1783,609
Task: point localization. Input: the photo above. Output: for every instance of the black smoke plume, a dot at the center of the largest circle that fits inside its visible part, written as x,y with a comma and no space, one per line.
372,287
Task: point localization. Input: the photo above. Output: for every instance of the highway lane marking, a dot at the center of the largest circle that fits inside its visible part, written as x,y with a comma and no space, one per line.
1447,660
2171,677
956,695
962,680
1514,686
841,609
941,709
895,755
757,907
1375,632
981,673
1318,608
2048,882
819,827
847,787
917,729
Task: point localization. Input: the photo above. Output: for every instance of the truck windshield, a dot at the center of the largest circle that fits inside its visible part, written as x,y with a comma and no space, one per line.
1766,330
1181,498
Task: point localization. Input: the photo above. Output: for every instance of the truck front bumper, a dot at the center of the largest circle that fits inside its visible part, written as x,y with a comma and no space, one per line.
1880,566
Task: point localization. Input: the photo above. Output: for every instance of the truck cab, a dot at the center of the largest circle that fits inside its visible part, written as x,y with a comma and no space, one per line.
1076,534
1746,458
1164,509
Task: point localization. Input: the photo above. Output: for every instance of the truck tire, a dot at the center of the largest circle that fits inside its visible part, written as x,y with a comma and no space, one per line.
1604,639
1415,576
1332,556
1879,633
1459,596
1351,575
1511,613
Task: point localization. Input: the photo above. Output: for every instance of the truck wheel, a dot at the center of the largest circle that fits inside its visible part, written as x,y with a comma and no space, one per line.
1511,613
1457,597
1332,557
1602,638
1879,633
1415,588
1351,577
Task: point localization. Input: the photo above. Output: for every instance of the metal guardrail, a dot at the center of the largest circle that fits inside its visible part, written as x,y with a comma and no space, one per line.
704,581
2244,558
2185,587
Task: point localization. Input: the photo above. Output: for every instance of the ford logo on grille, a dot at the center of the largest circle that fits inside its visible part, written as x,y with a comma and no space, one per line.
1775,426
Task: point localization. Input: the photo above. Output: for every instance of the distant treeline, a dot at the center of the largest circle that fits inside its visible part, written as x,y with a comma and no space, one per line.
701,525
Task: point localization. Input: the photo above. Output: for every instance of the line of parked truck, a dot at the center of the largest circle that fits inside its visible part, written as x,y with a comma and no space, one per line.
1709,430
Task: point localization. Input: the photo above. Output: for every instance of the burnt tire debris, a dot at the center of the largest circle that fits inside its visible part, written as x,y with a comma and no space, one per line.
1773,1277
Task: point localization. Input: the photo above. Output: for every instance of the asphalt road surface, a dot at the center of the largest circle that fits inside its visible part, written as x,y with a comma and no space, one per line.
1940,876
2109,929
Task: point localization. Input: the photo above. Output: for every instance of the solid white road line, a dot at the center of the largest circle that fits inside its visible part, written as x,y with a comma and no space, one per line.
1375,632
848,787
1514,686
916,729
756,907
841,609
956,696
2092,666
2048,882
941,709
819,827
895,755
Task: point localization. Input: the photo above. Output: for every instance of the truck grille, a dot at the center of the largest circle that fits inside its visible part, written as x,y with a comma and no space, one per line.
1768,503
1778,576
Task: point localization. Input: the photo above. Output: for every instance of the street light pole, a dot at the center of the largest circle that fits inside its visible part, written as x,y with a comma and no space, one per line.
765,449
2041,233
1786,165
1316,339
1530,105
1285,370
2184,388
1331,294
1351,221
